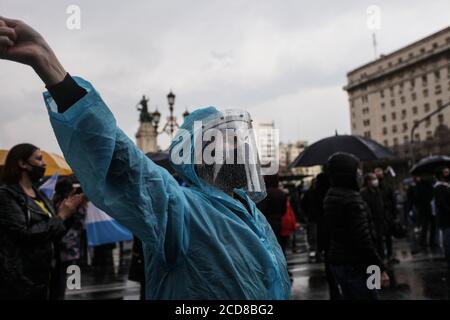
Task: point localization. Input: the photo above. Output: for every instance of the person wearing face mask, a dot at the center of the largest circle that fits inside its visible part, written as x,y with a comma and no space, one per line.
351,246
442,202
371,194
29,226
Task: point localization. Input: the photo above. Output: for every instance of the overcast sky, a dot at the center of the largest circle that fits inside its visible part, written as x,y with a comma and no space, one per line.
281,60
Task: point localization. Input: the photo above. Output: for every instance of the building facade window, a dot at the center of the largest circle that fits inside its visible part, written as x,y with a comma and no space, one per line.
426,107
402,99
394,116
405,126
413,96
424,80
394,128
415,110
385,131
392,103
403,113
395,141
417,137
437,75
425,93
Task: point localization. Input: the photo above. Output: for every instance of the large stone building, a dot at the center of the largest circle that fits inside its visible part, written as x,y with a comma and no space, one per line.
387,96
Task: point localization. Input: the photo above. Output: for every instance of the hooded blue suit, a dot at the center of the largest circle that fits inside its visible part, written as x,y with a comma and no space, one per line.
199,243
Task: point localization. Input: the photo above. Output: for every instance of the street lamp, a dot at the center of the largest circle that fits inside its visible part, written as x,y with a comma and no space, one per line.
171,124
155,117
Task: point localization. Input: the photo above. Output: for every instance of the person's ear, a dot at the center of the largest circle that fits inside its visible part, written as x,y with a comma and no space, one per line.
23,164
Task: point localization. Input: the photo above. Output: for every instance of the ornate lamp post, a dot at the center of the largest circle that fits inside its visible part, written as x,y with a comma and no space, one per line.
148,130
171,123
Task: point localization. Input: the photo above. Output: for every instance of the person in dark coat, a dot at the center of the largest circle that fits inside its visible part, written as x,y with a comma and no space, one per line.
137,268
442,202
351,247
421,195
371,194
29,225
308,206
69,248
274,207
390,207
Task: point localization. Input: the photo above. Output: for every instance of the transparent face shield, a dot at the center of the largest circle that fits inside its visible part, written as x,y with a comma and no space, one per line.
229,154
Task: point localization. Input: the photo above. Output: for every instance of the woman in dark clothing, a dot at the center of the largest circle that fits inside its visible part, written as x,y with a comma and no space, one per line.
28,226
351,248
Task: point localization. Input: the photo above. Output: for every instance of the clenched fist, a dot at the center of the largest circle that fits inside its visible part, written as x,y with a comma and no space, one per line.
21,43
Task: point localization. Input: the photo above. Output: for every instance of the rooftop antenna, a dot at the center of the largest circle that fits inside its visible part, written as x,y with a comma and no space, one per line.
373,23
374,41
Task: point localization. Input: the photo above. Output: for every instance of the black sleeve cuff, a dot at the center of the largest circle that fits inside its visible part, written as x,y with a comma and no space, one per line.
66,93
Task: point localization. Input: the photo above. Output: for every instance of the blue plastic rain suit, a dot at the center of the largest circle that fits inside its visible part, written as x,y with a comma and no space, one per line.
199,243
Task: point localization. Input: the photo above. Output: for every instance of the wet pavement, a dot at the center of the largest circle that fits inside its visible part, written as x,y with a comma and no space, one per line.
421,276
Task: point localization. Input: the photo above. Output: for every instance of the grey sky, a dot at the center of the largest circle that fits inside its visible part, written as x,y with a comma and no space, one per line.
282,60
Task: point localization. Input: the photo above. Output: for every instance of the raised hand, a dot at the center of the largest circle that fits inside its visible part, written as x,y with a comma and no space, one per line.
70,205
21,43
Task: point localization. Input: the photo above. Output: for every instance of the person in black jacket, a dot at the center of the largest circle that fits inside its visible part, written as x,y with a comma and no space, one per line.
442,202
372,195
274,207
29,225
351,247
421,195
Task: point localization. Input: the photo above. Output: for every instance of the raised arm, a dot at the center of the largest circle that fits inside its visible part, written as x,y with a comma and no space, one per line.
114,173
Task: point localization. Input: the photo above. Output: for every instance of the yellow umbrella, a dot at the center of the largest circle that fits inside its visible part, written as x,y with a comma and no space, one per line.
55,163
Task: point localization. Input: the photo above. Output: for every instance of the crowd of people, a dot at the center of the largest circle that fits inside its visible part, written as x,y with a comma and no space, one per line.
352,219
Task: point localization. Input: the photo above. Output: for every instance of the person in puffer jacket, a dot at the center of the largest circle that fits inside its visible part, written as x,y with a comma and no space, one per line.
351,247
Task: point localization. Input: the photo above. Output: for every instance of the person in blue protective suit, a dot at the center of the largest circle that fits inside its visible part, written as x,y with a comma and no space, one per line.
205,241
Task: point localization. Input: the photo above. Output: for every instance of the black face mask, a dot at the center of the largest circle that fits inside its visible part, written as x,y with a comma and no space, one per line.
36,173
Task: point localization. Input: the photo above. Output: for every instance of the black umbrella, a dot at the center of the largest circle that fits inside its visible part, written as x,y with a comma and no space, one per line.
319,152
430,165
